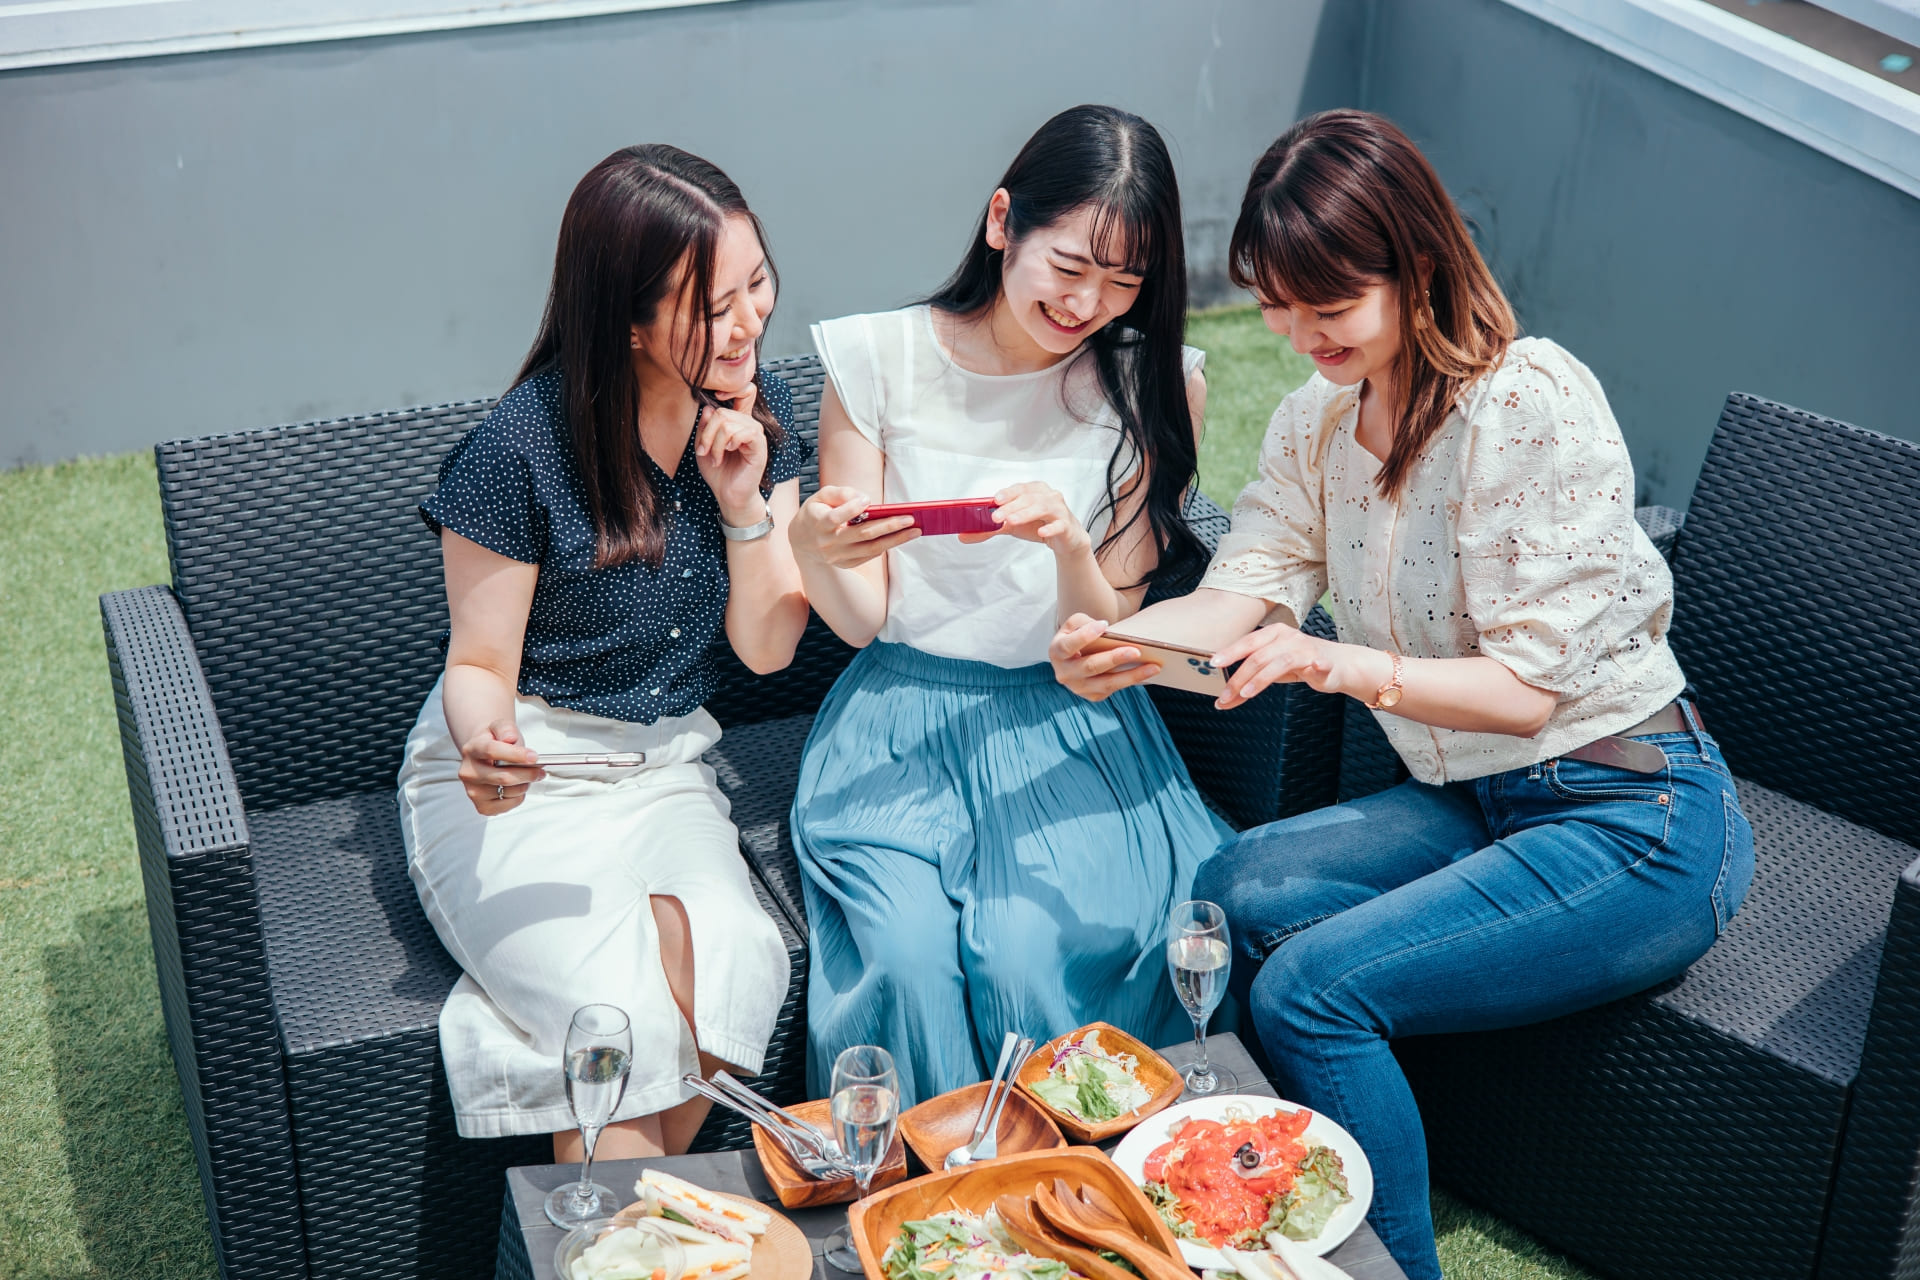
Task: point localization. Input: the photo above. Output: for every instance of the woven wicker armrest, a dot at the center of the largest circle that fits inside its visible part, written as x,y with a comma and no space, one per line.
1874,1223
1662,525
204,915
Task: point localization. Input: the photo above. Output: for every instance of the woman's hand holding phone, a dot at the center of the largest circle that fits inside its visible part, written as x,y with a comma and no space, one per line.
1037,512
824,529
1093,675
496,768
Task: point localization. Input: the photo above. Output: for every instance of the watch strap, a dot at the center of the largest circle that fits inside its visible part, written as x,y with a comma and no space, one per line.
1388,695
750,533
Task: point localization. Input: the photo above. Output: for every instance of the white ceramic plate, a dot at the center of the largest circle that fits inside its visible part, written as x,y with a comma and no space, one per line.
1131,1155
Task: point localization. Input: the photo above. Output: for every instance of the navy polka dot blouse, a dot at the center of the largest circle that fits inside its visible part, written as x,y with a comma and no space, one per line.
627,642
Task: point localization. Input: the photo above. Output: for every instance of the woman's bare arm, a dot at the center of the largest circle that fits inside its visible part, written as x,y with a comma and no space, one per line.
844,565
488,599
766,600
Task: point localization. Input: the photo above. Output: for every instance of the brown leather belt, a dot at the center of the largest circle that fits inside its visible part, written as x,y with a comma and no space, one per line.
1623,750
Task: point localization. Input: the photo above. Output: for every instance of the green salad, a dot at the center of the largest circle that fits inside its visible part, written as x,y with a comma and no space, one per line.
1087,1081
960,1246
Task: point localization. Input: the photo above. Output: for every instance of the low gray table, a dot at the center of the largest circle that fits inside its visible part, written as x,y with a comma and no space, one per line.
527,1239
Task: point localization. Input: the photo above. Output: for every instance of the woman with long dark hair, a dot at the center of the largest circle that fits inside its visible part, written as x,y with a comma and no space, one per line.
626,502
982,852
1570,834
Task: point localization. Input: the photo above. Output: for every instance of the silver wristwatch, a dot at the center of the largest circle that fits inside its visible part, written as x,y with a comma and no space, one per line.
751,533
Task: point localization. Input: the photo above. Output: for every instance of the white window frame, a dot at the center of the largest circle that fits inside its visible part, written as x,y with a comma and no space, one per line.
1897,18
43,33
1829,105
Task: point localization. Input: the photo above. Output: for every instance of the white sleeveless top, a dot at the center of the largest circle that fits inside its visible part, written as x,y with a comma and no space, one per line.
949,433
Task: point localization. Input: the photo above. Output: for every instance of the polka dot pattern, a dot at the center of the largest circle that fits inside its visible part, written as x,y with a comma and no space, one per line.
628,642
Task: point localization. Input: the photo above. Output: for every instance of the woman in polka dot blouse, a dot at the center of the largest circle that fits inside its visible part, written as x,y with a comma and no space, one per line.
1464,500
623,504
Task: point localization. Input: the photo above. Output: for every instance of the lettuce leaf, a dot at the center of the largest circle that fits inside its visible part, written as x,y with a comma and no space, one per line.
1169,1206
1318,1192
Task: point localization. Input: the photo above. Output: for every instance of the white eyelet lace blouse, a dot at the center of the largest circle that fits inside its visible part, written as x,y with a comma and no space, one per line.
1514,538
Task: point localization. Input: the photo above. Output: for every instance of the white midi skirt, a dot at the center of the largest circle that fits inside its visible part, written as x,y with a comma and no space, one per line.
547,908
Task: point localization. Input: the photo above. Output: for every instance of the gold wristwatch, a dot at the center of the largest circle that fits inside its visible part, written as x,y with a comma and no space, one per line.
1389,695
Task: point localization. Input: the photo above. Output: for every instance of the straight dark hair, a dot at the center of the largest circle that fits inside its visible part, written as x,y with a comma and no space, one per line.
640,231
1344,201
1116,165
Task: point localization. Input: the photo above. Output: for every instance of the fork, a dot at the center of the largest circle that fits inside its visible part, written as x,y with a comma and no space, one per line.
988,1147
812,1164
810,1134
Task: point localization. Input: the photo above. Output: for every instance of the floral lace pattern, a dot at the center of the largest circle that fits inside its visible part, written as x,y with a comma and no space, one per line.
1514,538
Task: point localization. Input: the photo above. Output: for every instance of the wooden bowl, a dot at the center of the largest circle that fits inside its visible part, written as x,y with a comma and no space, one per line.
875,1221
1163,1082
793,1185
938,1125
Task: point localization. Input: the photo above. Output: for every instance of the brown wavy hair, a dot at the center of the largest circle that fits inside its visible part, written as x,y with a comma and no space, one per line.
1344,201
640,232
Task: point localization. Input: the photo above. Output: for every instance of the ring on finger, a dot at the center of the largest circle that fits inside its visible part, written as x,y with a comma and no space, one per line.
499,791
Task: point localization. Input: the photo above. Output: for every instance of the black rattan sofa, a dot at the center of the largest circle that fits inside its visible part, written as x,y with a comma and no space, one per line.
264,698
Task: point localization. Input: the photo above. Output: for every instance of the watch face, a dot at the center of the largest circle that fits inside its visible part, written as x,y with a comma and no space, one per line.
1389,697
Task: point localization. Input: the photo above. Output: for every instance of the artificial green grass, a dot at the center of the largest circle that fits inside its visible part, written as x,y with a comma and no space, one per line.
96,1172
1249,371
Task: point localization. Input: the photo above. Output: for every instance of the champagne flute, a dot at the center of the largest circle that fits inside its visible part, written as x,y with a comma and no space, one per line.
866,1105
1198,960
599,1054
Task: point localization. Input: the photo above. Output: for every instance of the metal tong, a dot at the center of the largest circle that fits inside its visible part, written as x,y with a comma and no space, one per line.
810,1148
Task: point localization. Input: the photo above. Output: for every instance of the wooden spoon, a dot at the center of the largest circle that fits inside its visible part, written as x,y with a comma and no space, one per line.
1103,1205
1071,1217
1016,1215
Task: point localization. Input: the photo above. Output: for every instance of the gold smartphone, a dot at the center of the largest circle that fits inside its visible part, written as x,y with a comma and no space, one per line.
1181,667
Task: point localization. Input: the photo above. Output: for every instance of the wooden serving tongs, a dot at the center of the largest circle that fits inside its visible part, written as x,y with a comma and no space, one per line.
1075,1227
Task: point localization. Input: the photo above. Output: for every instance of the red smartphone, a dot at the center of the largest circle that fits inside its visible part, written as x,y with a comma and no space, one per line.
949,515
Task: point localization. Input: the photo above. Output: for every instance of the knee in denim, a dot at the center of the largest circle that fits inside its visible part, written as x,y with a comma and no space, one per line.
1301,988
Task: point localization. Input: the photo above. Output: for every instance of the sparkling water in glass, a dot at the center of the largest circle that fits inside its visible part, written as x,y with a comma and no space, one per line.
597,1058
866,1109
1199,960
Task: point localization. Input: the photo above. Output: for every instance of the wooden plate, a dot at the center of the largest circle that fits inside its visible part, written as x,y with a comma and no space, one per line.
1163,1082
938,1125
875,1221
792,1184
782,1253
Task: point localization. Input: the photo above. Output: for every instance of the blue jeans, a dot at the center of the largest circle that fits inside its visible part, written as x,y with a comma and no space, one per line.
1497,902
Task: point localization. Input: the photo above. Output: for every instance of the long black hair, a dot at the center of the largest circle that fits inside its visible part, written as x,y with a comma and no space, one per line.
629,225
1116,165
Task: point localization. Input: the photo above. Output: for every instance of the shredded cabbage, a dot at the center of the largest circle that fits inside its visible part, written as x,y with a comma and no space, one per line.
1087,1081
962,1246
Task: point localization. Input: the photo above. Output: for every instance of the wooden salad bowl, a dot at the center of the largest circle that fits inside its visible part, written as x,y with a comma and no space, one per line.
938,1125
875,1221
793,1185
1163,1082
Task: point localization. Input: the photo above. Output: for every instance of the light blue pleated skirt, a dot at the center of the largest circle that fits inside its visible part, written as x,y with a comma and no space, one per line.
984,851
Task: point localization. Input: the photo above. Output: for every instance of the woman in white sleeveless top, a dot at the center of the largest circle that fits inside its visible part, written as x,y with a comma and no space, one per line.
983,851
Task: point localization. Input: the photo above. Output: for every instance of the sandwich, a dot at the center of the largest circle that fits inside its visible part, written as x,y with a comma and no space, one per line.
708,1256
676,1199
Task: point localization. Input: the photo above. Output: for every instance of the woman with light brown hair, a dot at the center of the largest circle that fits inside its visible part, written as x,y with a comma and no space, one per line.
1464,500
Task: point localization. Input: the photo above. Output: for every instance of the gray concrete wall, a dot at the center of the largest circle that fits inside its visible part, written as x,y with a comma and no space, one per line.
214,242
1679,249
